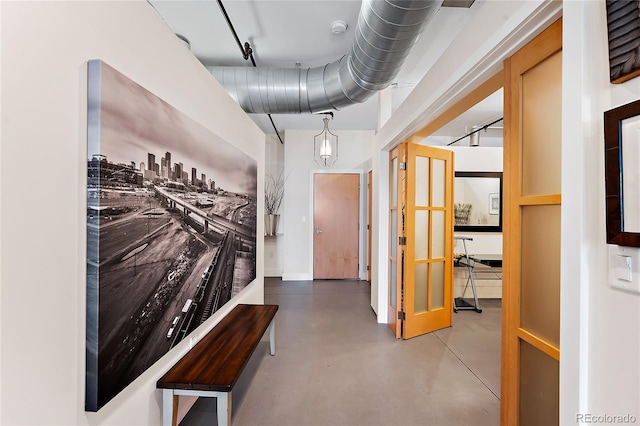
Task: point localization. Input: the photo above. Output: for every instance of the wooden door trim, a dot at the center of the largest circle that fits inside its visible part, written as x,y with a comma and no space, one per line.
491,85
533,340
543,46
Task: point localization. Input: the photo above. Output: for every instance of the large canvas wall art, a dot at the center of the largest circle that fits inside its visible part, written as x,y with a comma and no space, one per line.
171,229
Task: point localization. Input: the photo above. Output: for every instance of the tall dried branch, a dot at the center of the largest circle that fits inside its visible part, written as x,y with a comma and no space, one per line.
273,192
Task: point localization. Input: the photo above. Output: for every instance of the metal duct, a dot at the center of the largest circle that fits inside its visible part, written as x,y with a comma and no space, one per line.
385,33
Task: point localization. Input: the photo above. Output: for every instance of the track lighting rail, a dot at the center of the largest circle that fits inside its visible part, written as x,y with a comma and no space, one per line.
247,53
476,131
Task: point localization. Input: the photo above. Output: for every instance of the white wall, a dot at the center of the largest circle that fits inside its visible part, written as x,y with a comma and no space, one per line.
600,336
45,47
274,245
354,155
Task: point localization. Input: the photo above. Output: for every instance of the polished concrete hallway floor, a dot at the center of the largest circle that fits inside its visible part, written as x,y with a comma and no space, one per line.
336,366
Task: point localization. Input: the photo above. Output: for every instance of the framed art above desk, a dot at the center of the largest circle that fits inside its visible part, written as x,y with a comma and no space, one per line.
478,201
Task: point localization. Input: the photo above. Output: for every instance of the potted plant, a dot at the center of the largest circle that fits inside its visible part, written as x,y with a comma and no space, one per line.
273,194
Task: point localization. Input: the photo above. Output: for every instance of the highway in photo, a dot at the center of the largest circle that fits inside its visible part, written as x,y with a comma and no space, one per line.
162,272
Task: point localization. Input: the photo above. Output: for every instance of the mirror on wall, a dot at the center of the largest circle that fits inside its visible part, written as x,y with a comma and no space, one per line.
622,179
478,201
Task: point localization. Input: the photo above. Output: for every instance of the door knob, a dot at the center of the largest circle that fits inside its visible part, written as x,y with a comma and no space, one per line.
318,230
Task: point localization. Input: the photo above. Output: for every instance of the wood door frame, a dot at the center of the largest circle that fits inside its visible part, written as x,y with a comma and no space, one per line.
361,213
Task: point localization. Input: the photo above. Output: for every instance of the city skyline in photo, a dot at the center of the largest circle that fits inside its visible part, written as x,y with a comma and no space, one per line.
135,123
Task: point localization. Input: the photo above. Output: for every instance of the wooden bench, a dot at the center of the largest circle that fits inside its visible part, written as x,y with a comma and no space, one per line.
212,367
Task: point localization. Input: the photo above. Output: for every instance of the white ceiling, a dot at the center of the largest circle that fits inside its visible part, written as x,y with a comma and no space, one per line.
285,32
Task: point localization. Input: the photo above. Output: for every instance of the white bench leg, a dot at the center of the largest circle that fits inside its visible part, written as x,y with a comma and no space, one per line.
224,408
169,408
272,337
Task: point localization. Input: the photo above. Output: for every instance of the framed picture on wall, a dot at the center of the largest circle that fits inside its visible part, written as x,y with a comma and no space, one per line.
171,229
623,20
494,203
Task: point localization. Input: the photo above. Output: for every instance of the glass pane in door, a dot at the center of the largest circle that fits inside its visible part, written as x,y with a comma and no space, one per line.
421,294
540,272
422,234
437,285
393,191
438,183
539,387
437,234
422,181
541,147
392,283
394,233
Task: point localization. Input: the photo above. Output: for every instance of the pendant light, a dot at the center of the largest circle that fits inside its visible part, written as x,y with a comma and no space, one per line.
325,145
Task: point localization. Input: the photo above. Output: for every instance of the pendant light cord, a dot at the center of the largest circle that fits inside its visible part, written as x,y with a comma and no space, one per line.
247,53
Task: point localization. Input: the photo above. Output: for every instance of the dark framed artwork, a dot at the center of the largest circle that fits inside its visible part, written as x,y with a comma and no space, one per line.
623,25
622,174
477,202
494,203
171,229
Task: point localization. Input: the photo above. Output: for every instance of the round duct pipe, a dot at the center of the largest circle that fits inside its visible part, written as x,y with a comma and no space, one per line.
385,33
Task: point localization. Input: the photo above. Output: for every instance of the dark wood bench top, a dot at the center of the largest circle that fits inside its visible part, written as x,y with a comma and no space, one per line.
216,361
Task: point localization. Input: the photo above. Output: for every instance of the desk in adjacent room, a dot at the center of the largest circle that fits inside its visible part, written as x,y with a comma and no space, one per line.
491,260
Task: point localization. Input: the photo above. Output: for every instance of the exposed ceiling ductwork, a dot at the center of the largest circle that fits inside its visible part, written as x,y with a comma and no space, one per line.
385,33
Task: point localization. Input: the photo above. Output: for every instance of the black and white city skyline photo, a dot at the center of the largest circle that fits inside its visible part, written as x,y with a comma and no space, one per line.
171,229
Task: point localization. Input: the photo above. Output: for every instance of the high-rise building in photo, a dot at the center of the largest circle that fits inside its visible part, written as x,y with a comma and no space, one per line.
194,176
167,158
151,161
203,180
178,171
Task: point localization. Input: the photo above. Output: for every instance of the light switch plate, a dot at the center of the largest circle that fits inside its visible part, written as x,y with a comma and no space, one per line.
623,265
624,268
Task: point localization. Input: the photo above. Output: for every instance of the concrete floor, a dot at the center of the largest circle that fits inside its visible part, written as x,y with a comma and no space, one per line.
336,366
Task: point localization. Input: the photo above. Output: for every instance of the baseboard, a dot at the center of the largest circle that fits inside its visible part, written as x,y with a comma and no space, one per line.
272,273
297,277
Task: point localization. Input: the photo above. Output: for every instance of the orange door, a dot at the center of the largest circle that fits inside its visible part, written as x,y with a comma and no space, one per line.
336,210
396,226
428,253
421,239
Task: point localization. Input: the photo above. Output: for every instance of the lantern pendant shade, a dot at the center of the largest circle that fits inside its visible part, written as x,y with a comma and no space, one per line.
325,146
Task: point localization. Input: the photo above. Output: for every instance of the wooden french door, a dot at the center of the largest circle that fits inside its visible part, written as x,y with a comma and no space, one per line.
531,251
422,218
397,175
336,228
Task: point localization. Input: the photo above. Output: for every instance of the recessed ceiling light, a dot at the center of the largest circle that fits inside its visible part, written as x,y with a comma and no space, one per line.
338,27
